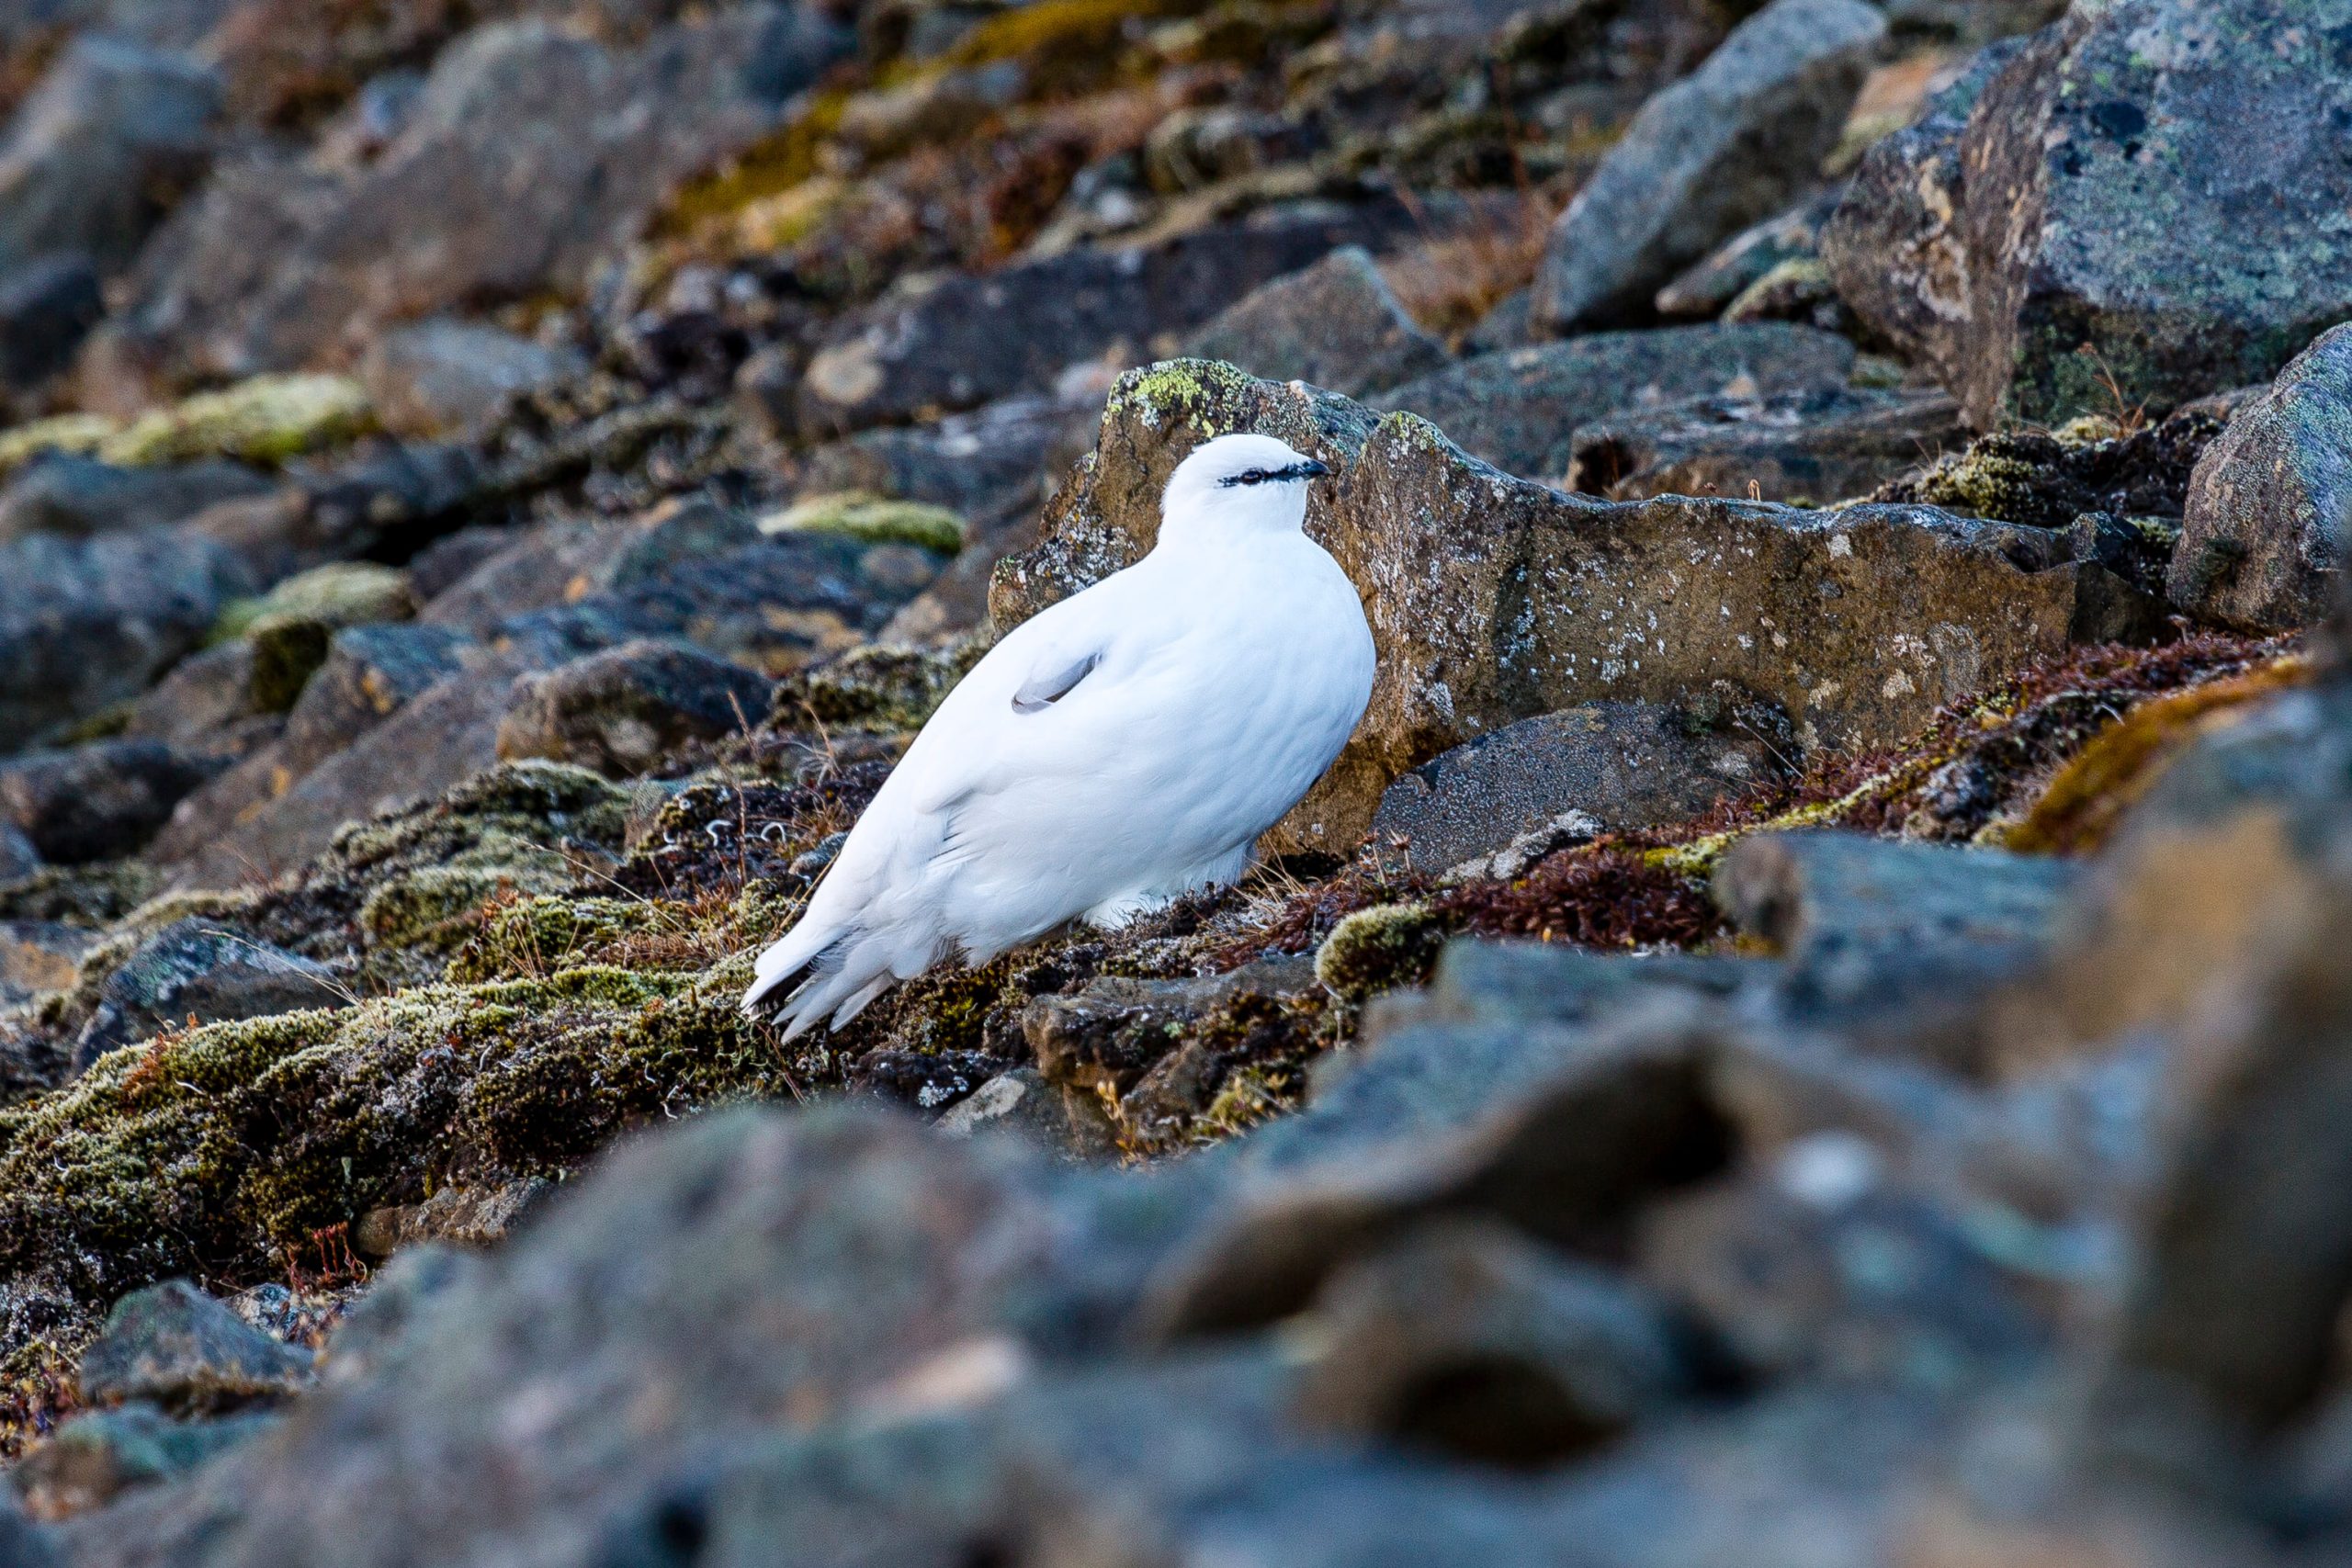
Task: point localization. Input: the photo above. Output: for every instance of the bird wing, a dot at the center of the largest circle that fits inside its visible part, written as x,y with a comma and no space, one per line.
1049,686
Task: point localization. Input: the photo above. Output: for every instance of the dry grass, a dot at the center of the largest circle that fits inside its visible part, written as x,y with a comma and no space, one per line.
1448,282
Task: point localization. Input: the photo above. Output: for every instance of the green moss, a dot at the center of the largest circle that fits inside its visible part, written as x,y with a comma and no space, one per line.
77,433
1180,391
877,686
268,419
1380,949
857,514
345,593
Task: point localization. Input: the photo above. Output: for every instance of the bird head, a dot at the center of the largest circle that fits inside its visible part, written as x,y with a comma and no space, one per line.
1252,482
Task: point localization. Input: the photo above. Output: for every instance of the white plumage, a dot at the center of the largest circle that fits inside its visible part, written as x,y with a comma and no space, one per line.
1123,746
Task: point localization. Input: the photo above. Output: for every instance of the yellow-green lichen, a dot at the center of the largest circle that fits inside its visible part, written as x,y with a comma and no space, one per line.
859,514
268,419
1378,950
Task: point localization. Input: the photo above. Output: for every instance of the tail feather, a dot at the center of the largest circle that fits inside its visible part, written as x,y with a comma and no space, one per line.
839,970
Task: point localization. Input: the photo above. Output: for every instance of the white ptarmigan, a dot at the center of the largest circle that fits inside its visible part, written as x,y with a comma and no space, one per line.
1120,748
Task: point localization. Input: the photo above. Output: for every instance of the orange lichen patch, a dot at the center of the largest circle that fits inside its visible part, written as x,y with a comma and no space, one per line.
2091,793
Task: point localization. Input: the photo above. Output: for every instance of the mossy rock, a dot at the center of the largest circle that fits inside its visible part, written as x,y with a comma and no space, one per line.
878,687
79,433
1381,949
268,419
343,593
872,519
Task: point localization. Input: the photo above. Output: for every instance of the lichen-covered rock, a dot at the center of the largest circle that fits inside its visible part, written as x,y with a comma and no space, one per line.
174,1345
268,419
1709,284
1520,408
1724,148
2268,521
1809,447
194,972
1387,947
1492,599
1337,324
2147,212
858,516
620,710
2050,478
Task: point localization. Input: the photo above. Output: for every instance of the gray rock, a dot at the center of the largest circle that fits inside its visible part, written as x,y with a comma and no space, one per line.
100,151
175,1346
1724,148
84,622
1337,324
18,856
619,711
1703,291
1549,602
39,955
46,306
76,497
1618,765
2089,281
446,377
2264,542
1463,1339
98,801
958,341
97,1457
530,153
196,970
23,1542
204,696
1520,408
1809,447
1022,1104
1896,246
1896,943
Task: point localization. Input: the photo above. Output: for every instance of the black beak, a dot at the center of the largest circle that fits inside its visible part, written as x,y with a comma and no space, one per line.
1309,469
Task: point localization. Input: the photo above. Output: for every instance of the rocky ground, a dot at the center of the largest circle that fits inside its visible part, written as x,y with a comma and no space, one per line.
1804,1028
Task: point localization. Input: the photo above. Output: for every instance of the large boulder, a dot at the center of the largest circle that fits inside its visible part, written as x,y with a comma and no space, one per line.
88,622
99,154
1492,599
1520,408
2269,515
2150,206
1726,147
532,151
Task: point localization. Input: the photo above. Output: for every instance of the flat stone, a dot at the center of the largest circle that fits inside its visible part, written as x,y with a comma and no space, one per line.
1620,765
1520,408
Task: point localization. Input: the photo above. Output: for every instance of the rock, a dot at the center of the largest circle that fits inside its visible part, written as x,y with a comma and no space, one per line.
97,1457
457,1216
1617,765
1703,291
446,377
1725,147
1857,624
17,857
1796,290
22,1541
175,1346
958,341
1003,457
1807,446
530,151
39,955
77,497
193,969
1519,408
46,306
1463,1339
1336,323
1895,245
619,711
201,703
101,149
2051,477
855,514
97,801
1892,942
2269,522
1022,1104
2086,284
